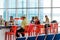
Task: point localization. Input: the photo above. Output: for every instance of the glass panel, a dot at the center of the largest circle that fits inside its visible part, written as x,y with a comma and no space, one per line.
11,12
1,12
12,4
56,15
1,3
56,3
31,13
32,3
44,12
21,12
45,3
21,3
4,14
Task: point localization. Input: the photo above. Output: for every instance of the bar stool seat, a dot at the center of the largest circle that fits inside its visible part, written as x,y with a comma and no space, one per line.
8,35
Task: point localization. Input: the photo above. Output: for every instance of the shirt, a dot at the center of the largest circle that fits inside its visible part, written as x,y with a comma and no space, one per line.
24,23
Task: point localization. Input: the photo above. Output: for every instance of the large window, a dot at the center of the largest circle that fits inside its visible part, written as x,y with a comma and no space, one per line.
32,3
45,3
56,3
56,11
11,3
30,8
32,13
46,11
56,14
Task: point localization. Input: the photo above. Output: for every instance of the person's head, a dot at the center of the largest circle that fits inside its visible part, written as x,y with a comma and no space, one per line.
23,17
36,18
32,18
47,19
46,16
11,17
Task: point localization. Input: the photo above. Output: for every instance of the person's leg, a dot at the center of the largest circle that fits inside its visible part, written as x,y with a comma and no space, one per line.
45,28
17,35
22,31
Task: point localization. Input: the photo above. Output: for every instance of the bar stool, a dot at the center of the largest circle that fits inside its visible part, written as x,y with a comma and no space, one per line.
40,29
54,28
8,35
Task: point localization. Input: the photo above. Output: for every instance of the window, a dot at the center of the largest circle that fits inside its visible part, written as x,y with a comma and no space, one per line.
11,3
45,3
56,15
11,12
32,3
21,12
1,6
32,13
30,8
44,12
21,3
56,3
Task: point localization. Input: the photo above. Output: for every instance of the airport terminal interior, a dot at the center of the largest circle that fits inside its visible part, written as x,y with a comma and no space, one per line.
29,19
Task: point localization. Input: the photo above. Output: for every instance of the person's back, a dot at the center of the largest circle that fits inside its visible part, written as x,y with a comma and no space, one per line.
24,23
46,24
47,19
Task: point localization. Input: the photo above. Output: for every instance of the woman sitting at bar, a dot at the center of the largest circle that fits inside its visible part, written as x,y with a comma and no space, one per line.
22,29
36,20
46,24
46,19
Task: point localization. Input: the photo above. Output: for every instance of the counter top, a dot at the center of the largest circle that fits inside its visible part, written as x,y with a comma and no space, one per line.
1,27
4,27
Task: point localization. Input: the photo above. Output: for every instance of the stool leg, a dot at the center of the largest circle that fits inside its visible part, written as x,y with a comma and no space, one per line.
5,36
13,37
10,37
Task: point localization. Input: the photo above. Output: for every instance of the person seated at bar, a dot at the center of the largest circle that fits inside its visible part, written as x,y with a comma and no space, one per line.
46,24
11,22
36,20
46,19
1,20
22,29
32,21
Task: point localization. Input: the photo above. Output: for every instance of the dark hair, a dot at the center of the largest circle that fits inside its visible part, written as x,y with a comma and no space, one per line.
45,15
36,17
32,17
11,16
23,17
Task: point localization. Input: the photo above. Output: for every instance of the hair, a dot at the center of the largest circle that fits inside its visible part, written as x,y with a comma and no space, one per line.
32,17
45,15
11,16
23,17
36,17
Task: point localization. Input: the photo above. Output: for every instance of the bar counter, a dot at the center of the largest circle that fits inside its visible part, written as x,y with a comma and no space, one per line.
3,29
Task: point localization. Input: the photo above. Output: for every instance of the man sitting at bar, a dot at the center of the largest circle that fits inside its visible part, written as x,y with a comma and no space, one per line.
11,22
23,24
32,21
